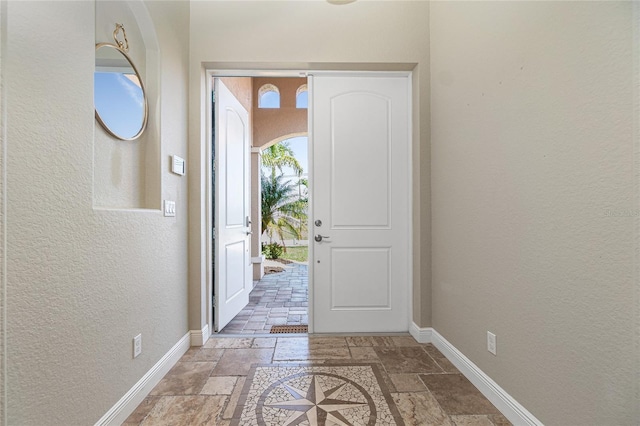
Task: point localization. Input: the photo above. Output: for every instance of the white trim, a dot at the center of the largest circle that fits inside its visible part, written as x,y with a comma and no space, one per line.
422,335
310,206
361,73
215,70
200,337
508,406
209,193
128,403
258,259
225,69
410,212
256,150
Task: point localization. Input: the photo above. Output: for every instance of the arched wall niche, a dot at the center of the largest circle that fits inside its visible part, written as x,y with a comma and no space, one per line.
127,174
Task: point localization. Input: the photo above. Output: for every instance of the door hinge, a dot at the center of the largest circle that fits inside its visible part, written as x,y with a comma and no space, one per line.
213,301
213,233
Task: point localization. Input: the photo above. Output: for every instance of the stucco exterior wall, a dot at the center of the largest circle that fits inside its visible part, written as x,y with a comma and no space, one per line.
278,123
81,282
533,143
242,89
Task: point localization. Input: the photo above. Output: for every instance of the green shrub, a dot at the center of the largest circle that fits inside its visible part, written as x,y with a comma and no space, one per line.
272,251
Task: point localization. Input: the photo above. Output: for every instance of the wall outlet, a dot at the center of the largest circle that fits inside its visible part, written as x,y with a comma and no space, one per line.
137,345
491,343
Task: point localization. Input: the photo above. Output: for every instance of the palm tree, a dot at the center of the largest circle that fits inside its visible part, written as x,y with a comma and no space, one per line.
279,156
282,211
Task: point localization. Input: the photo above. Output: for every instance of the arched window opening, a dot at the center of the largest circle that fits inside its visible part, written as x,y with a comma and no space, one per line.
302,97
268,96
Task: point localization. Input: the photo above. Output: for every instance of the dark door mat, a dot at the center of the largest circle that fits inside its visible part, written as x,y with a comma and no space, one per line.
280,329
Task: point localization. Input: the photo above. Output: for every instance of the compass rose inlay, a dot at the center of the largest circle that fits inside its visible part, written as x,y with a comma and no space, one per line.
316,395
319,405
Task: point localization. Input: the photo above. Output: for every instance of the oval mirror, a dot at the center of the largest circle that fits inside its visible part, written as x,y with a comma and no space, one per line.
118,93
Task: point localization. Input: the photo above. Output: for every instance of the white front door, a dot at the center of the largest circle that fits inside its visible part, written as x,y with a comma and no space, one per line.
361,195
232,260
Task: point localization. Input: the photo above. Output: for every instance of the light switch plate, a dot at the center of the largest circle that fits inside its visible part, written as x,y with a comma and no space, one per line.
178,165
137,345
169,208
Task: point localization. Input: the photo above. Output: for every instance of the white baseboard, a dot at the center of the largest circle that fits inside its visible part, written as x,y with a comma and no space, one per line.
508,406
200,337
128,403
422,335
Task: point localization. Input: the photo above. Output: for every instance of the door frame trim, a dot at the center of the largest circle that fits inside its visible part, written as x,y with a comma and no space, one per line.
217,71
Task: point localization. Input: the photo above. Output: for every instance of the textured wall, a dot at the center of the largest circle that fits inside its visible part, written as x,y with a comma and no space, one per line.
379,34
271,124
82,282
241,87
3,266
533,143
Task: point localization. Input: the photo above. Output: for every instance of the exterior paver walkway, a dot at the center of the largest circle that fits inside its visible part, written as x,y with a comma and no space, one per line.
278,299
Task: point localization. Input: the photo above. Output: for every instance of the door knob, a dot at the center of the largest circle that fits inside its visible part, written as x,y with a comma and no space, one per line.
319,237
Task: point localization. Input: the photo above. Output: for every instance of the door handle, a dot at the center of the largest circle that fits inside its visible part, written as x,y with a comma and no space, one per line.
319,237
248,225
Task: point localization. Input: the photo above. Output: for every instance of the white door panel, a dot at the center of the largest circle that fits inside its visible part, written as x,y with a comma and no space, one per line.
359,137
360,278
232,262
361,193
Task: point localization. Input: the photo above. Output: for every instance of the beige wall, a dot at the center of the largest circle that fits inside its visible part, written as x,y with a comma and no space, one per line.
364,35
82,282
3,266
533,140
534,191
278,123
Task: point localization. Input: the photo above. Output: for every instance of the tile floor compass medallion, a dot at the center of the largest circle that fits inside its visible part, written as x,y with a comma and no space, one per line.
305,394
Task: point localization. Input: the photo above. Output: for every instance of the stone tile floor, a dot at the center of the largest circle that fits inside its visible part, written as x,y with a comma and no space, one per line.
214,384
277,299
